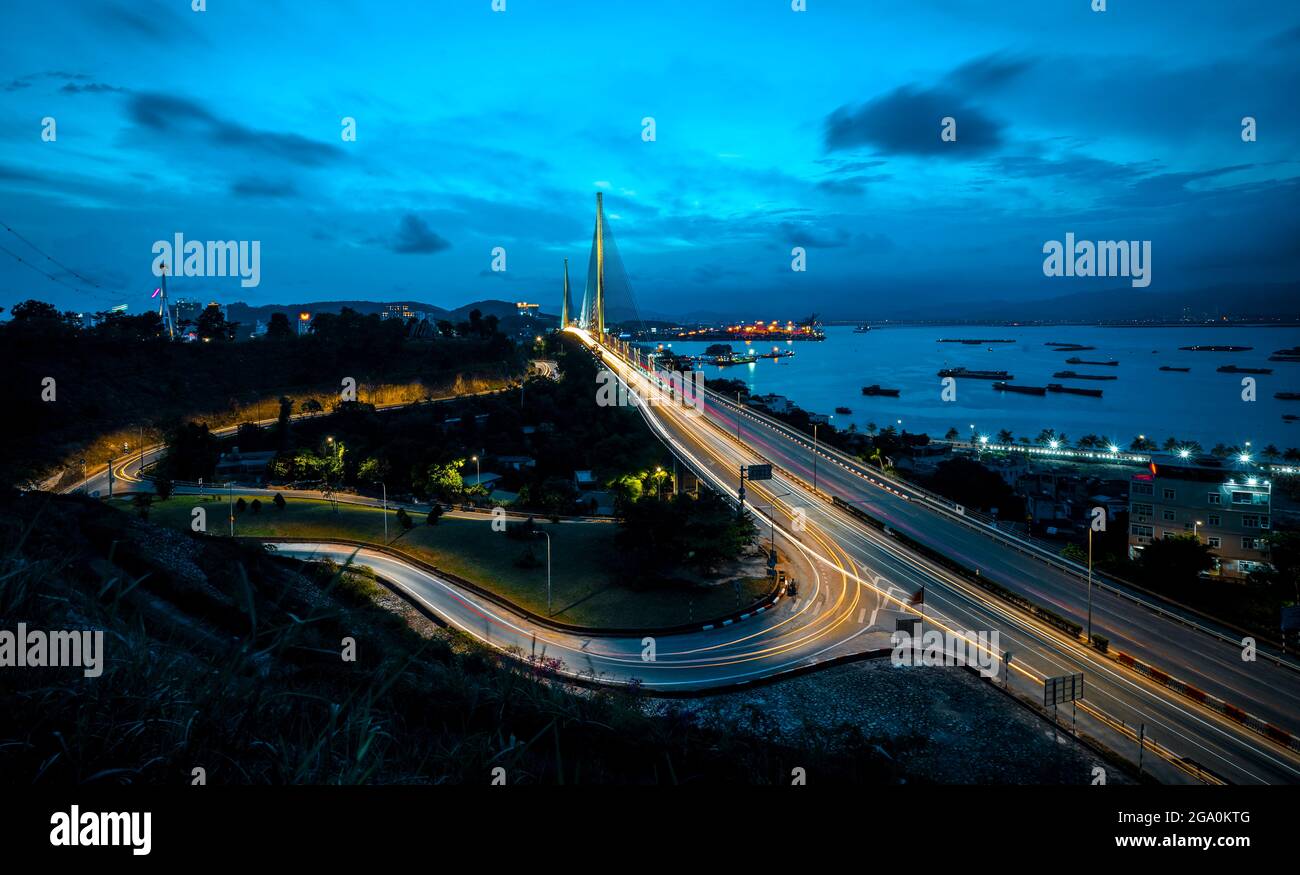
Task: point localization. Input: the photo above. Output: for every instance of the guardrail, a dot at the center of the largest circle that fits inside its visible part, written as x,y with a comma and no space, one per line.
766,603
1170,609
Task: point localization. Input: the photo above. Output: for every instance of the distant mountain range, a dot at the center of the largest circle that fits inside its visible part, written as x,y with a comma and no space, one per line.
1261,301
249,314
1266,301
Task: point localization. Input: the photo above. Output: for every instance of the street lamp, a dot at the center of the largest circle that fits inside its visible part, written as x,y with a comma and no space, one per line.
547,536
659,482
1196,530
815,456
384,486
478,473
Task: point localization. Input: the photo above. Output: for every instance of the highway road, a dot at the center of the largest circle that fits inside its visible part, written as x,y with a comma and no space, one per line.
1117,701
859,581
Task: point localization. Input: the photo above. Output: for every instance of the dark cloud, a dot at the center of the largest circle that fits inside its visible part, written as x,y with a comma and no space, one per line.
988,72
180,118
256,187
811,238
90,88
850,185
415,237
907,121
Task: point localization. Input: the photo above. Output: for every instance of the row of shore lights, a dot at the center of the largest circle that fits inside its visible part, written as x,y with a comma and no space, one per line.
1183,453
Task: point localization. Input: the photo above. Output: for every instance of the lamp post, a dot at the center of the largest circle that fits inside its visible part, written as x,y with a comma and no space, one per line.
737,416
478,473
1090,584
547,536
1196,531
815,456
384,487
659,482
230,491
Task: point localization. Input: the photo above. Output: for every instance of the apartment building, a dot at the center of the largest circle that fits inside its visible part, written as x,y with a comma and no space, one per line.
1226,508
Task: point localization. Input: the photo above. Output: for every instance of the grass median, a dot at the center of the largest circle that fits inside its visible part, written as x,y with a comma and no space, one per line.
585,584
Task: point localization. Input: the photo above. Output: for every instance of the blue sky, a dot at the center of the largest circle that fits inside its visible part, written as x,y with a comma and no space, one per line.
774,129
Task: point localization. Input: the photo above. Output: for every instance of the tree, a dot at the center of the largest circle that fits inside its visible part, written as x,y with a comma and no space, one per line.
213,325
278,326
404,519
657,537
192,452
278,501
142,502
1170,563
969,483
435,512
256,505
950,434
443,480
1005,436
283,423
240,505
164,487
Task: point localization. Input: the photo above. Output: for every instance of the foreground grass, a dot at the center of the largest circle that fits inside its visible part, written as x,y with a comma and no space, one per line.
222,657
586,588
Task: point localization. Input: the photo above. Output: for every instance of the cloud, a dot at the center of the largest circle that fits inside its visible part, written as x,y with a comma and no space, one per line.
988,72
90,88
257,187
415,237
907,121
810,238
181,118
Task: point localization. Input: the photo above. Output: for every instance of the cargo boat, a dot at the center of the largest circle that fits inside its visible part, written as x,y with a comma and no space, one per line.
1071,375
1024,390
1171,368
972,341
975,375
728,361
1073,390
1069,347
1216,348
1287,396
874,389
1078,361
777,354
1233,369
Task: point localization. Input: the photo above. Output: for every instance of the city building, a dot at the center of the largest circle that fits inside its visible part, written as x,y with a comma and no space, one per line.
1227,509
186,310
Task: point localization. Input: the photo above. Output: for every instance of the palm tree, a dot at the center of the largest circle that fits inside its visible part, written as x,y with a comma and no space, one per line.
878,459
1271,453
1005,436
872,428
950,435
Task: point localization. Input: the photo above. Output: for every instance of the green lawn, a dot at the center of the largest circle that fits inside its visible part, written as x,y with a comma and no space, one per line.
586,589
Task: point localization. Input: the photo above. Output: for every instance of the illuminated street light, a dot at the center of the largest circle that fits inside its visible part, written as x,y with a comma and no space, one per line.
1184,453
1244,457
1114,449
1054,444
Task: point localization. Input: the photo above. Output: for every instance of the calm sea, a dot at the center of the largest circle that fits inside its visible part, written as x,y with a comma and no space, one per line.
1200,405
